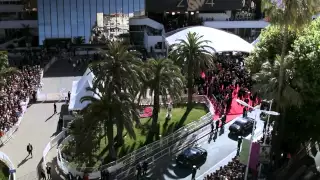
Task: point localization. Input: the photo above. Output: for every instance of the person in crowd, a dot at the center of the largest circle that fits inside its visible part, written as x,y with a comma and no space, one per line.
145,168
239,142
234,170
139,169
69,95
194,172
217,124
54,108
212,127
29,149
48,169
43,175
18,88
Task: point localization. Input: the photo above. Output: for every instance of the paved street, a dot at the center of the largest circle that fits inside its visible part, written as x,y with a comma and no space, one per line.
37,126
220,153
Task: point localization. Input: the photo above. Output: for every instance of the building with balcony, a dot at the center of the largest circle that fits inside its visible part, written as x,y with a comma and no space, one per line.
17,17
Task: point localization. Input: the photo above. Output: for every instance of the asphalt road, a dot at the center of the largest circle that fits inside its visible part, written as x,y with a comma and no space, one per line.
220,152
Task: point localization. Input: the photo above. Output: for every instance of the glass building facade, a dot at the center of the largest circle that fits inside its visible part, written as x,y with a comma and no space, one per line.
73,18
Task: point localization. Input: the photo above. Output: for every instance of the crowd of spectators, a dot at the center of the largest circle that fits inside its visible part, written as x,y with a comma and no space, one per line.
16,89
234,170
229,77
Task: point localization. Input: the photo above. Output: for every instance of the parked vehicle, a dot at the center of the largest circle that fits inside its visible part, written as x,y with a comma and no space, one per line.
192,156
242,126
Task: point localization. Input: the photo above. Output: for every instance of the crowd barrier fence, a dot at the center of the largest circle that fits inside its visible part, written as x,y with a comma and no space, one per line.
125,167
7,135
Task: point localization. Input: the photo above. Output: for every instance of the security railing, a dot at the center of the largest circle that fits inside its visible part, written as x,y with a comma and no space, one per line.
166,145
7,136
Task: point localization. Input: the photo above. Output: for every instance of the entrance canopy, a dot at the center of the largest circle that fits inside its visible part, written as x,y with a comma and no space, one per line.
79,90
220,41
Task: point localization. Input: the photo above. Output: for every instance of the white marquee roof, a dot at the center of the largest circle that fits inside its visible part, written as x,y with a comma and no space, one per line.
221,41
79,89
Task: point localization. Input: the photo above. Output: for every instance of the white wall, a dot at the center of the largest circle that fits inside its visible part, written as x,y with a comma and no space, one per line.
136,21
151,41
236,24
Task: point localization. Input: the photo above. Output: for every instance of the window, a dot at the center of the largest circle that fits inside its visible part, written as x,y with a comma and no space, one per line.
61,18
47,18
74,18
93,18
80,13
67,18
41,22
87,18
54,18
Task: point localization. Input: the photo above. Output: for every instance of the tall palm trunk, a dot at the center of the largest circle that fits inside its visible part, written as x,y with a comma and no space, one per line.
156,107
190,87
112,152
120,127
279,124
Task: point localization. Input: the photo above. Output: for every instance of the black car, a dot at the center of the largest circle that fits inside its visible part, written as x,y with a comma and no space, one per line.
242,126
192,156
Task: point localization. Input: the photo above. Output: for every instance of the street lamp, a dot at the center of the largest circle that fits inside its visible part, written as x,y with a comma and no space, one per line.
252,134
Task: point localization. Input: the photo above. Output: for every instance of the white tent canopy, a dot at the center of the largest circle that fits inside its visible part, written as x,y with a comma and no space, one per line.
79,89
220,41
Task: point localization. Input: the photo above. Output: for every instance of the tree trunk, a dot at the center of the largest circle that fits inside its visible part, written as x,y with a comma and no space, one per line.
119,136
156,108
190,87
112,152
279,123
119,124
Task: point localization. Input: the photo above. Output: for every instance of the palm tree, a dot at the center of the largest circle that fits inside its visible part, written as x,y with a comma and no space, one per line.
267,83
5,69
288,14
194,55
78,40
163,78
123,67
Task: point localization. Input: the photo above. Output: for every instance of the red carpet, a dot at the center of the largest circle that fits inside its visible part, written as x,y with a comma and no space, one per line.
147,112
236,109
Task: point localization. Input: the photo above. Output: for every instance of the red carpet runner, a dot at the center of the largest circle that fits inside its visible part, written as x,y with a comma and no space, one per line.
236,109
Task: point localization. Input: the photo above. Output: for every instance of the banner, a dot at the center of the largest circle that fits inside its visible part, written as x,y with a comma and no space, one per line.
244,153
254,156
264,154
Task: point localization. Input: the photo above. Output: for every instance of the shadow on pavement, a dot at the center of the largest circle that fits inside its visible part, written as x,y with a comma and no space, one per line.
63,68
167,167
24,161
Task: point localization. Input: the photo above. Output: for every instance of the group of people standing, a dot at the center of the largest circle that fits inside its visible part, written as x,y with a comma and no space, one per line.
19,86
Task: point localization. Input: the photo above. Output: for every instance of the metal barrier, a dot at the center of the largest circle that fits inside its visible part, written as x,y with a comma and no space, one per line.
7,136
155,150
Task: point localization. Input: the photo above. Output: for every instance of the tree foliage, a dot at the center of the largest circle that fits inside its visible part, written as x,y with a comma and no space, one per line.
305,60
193,56
268,48
163,78
300,102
